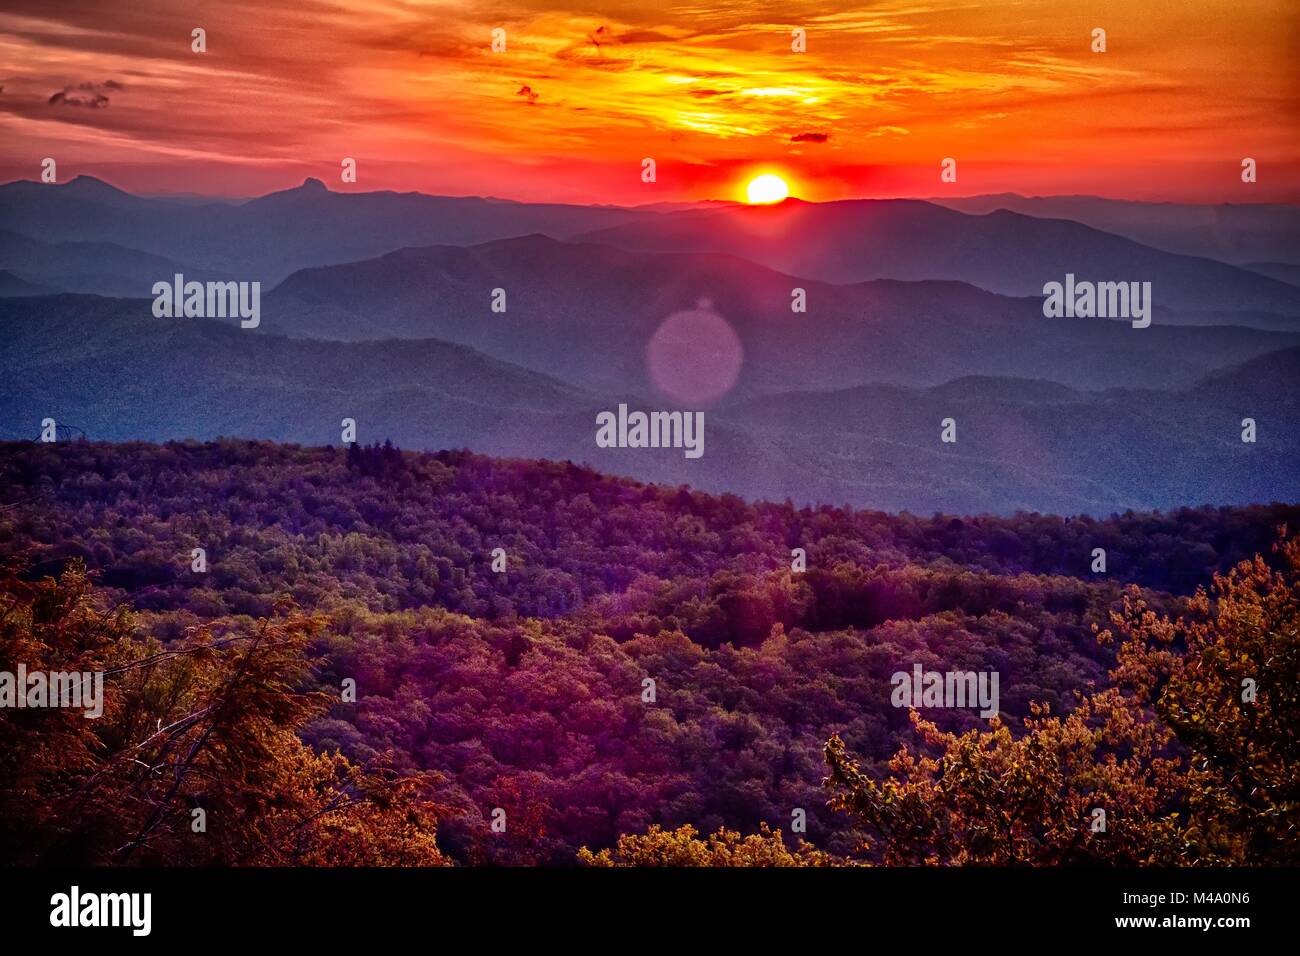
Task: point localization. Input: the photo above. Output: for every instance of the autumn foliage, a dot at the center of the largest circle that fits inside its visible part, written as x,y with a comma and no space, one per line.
205,728
523,692
1192,754
725,848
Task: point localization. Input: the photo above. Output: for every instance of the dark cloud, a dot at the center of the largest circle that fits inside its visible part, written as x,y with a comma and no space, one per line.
644,36
527,93
810,137
708,92
88,94
582,56
96,102
603,34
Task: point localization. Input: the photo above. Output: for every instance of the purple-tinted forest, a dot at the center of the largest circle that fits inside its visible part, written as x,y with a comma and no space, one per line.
523,689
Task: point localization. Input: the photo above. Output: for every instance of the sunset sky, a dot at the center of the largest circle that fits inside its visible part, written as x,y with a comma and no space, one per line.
711,90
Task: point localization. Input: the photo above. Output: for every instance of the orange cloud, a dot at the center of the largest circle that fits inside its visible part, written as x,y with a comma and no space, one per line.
884,90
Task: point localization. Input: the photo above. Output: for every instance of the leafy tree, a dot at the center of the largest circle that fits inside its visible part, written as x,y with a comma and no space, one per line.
725,848
1226,680
209,724
1187,767
525,690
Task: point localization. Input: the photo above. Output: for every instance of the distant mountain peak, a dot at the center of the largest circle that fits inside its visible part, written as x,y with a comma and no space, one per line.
79,188
91,186
311,189
529,239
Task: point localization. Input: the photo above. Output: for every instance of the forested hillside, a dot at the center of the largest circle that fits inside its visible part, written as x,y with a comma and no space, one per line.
524,689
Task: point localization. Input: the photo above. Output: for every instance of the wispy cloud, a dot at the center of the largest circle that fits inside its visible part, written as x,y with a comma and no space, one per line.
414,85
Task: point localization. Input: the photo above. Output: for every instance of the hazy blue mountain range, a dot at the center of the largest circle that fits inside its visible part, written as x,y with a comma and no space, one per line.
1002,251
108,367
272,236
12,285
1230,232
267,238
1282,271
585,312
1047,448
377,306
102,268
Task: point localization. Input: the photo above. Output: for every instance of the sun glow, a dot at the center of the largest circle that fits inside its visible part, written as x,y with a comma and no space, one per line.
766,188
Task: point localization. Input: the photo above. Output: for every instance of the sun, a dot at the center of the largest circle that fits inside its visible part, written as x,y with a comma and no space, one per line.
766,188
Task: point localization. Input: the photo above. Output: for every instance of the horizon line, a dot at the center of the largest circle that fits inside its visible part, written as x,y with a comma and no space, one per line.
323,186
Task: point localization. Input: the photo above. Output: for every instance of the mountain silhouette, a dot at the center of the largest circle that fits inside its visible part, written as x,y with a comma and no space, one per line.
1002,251
585,313
110,367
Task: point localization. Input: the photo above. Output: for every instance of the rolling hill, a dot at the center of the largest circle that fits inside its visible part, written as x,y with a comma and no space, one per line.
272,236
1236,233
108,367
1002,251
585,313
267,238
